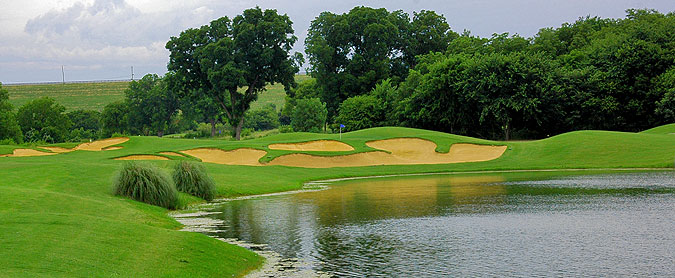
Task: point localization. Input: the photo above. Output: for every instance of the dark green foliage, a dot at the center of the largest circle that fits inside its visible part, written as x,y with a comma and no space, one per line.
86,124
43,120
151,105
115,118
192,179
9,128
593,74
265,118
309,115
145,183
352,52
306,89
665,86
360,112
231,62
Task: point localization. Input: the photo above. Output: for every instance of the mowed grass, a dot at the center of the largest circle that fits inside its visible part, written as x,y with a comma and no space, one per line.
60,219
95,96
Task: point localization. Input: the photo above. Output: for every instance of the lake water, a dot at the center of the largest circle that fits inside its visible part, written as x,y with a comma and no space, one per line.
538,224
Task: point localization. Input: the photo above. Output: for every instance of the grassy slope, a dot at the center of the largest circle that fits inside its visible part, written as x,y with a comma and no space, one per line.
664,129
74,96
94,96
59,218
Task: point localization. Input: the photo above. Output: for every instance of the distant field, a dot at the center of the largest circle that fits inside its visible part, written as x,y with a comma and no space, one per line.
275,94
94,96
74,96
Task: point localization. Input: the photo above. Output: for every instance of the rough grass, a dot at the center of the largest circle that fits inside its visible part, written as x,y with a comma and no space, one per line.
146,183
192,179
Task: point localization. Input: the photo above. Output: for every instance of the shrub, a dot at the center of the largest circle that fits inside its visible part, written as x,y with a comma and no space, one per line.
359,112
46,118
146,183
192,178
309,115
265,118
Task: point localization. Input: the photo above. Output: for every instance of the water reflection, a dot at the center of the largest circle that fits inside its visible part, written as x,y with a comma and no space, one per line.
523,224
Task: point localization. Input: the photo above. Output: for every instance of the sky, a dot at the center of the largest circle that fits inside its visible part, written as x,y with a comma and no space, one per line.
100,40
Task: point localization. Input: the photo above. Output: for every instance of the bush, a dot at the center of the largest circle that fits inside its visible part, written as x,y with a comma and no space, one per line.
309,115
359,112
45,118
146,183
265,118
192,178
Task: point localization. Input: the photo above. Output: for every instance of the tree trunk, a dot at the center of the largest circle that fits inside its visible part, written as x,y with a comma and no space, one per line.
238,129
507,131
160,133
213,127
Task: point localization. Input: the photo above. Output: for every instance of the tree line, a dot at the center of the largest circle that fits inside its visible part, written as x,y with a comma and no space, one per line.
595,73
372,67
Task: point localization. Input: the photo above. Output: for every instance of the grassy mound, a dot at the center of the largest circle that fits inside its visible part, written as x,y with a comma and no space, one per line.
192,178
146,183
664,129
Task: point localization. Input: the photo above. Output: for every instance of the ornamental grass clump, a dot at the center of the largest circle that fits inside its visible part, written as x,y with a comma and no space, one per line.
192,179
146,183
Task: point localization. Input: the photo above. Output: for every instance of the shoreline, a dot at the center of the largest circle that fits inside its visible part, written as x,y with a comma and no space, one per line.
194,218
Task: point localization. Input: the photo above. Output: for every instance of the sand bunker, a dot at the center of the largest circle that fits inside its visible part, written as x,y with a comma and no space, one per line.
101,144
314,146
172,154
57,149
26,152
243,156
403,151
142,157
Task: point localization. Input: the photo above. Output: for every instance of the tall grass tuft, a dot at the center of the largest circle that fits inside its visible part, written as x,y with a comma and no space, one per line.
192,178
146,183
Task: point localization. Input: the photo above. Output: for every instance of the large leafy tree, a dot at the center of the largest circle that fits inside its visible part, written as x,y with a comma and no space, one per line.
231,62
115,118
350,53
151,104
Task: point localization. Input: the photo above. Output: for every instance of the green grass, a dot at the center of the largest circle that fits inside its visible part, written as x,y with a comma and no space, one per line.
94,96
664,129
275,94
60,218
74,96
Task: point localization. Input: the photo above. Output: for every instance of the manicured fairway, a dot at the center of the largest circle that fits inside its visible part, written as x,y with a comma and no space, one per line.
60,219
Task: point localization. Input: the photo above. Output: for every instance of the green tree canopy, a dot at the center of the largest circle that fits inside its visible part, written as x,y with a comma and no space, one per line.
352,52
359,112
231,62
9,128
309,115
43,119
151,105
115,118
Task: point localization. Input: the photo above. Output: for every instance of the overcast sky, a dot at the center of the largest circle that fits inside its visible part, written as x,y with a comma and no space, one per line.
98,39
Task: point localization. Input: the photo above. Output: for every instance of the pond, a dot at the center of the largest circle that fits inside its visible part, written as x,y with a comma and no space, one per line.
495,224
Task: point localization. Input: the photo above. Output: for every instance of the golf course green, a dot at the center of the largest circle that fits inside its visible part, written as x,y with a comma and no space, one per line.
60,218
